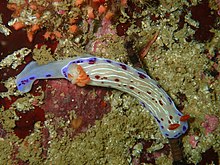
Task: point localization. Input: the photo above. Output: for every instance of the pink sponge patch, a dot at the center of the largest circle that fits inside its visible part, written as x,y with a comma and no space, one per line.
210,124
192,140
88,102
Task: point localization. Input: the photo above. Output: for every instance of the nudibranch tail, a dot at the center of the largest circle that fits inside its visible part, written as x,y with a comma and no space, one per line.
108,73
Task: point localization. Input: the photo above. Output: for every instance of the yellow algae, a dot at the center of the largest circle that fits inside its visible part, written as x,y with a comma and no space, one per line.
31,149
42,55
28,102
109,141
15,59
7,148
7,119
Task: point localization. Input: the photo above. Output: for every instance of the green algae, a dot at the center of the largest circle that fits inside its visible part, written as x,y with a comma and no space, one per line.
43,55
179,69
164,160
7,119
108,50
10,85
3,29
15,59
205,143
30,149
28,102
109,141
7,148
137,149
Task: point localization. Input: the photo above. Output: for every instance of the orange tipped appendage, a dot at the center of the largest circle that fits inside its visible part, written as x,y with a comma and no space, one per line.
35,27
173,126
83,78
30,35
184,118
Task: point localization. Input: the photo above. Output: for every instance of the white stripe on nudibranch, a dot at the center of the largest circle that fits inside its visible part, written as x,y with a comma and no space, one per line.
108,73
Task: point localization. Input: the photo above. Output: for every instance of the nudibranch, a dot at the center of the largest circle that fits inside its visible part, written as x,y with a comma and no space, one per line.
108,73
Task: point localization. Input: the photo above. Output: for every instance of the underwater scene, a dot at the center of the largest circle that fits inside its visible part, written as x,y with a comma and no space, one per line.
109,82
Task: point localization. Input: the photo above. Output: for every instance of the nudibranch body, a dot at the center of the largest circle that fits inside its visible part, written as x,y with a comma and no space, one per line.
108,73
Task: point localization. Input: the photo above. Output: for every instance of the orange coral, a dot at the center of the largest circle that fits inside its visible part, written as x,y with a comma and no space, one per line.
73,28
79,2
109,15
30,35
47,35
37,15
35,27
33,6
57,34
72,20
102,9
124,2
90,13
31,32
97,1
18,25
52,35
14,7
